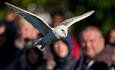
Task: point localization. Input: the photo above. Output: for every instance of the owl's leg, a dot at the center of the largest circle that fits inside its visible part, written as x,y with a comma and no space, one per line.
41,47
38,43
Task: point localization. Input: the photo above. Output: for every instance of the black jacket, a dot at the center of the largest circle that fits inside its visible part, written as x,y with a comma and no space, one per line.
85,64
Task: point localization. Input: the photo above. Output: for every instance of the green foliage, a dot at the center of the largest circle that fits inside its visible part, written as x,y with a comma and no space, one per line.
26,2
41,2
2,12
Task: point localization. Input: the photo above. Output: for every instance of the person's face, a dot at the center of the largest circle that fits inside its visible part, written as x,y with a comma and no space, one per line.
28,31
57,20
61,49
10,16
112,37
33,57
92,43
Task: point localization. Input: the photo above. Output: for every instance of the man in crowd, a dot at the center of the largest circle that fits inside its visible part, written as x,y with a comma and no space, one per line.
93,46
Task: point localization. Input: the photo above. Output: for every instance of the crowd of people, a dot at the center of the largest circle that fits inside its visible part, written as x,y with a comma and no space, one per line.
94,52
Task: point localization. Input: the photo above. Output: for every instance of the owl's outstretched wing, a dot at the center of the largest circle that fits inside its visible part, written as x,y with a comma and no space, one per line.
73,20
35,20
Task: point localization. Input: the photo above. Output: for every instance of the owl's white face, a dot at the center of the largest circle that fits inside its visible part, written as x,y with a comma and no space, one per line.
61,31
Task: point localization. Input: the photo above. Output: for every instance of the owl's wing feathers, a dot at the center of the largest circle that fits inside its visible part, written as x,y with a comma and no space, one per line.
73,20
35,20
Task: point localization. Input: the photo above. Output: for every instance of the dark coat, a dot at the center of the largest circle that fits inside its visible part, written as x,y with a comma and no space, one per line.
85,64
24,63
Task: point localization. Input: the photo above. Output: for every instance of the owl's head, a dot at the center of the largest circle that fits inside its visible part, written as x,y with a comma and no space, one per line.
61,31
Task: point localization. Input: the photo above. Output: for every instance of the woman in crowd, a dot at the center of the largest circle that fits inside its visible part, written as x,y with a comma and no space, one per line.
62,55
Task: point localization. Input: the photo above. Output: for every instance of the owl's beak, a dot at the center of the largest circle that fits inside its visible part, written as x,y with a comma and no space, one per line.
64,32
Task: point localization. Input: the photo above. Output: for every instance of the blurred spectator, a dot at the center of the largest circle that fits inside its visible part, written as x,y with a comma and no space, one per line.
34,60
57,18
9,54
26,34
11,21
110,47
92,44
111,37
62,55
27,30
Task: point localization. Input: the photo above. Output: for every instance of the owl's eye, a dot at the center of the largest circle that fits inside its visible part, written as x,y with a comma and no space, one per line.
62,30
